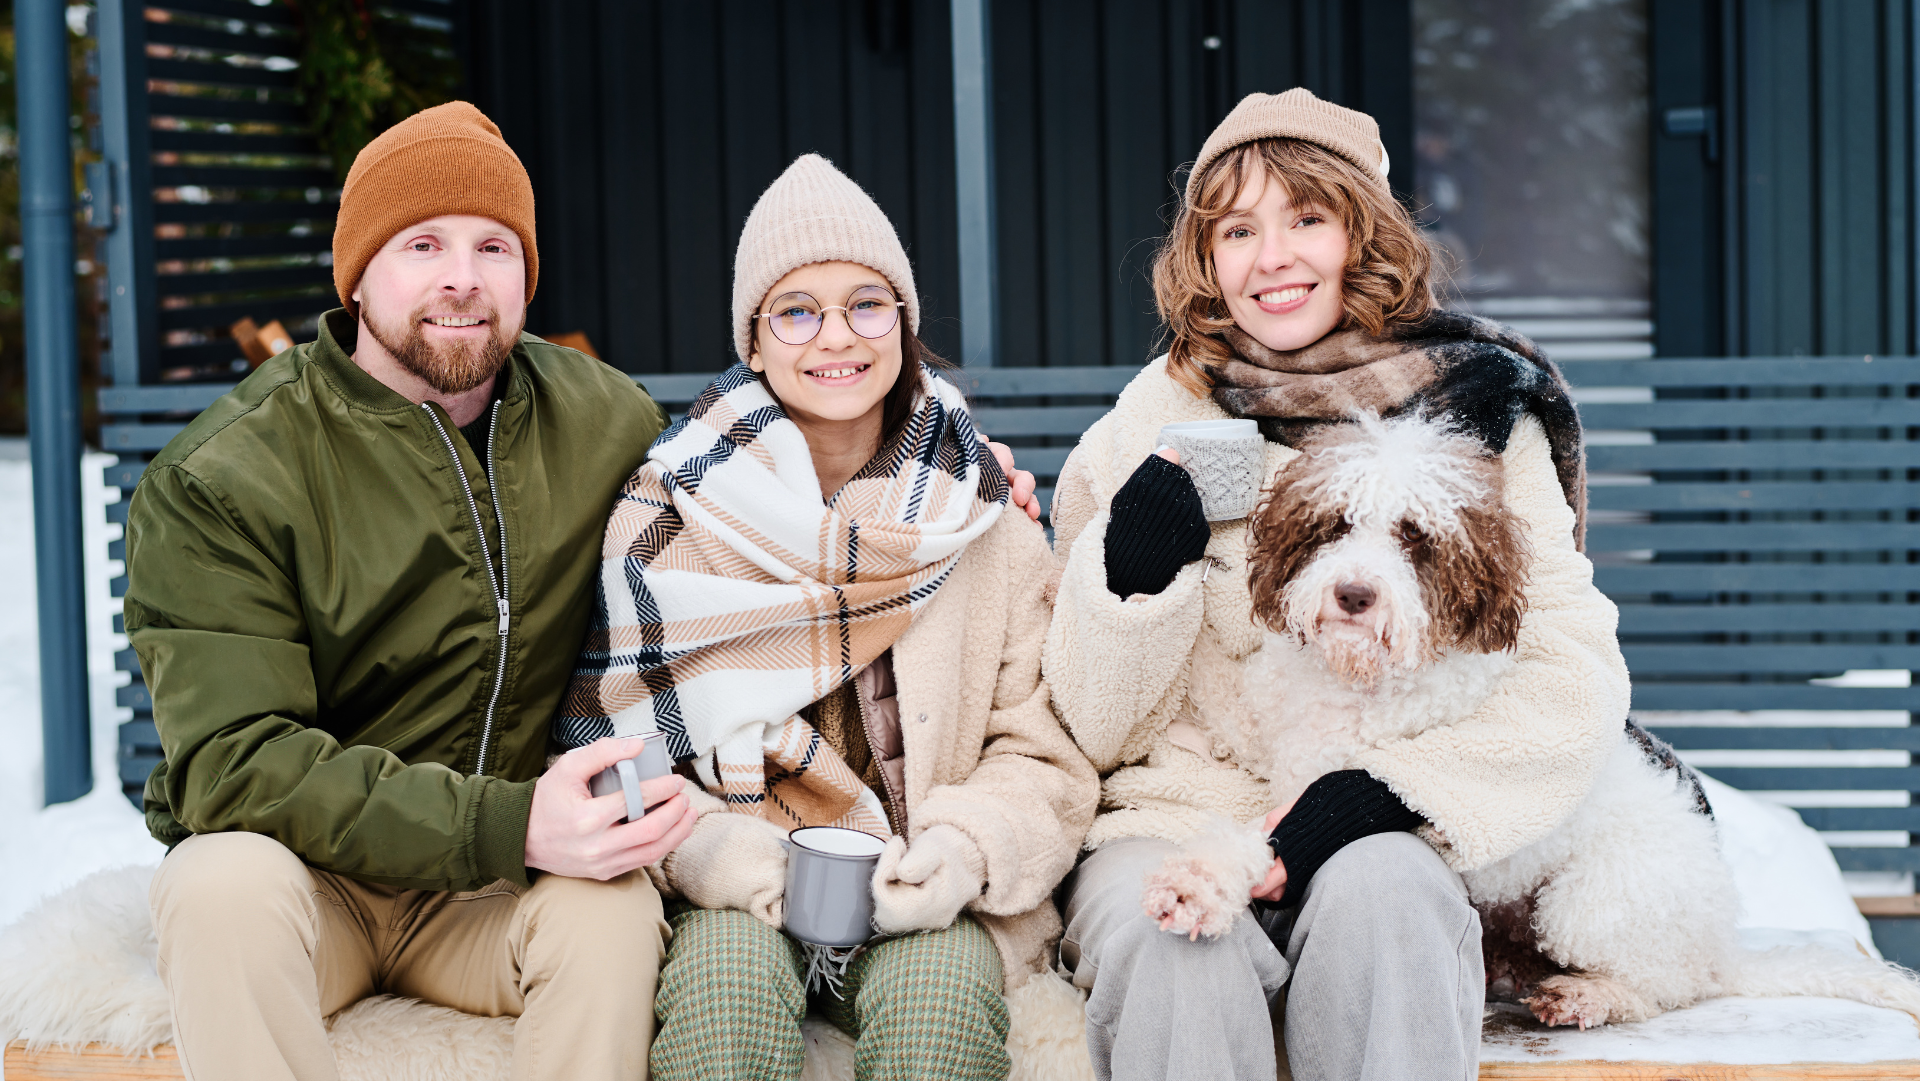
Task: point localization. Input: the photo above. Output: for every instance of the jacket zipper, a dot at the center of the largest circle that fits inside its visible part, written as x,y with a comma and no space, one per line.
498,582
896,803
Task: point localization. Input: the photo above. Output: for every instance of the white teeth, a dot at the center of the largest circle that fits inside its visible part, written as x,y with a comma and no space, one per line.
1282,296
455,321
833,373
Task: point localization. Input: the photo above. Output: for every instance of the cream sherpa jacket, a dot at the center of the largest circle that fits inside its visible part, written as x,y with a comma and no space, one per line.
1123,671
984,750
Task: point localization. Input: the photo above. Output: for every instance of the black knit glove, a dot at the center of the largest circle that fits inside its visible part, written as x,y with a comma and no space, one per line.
1335,811
1157,526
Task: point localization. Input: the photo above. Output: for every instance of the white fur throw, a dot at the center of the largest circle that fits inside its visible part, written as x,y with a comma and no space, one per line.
80,970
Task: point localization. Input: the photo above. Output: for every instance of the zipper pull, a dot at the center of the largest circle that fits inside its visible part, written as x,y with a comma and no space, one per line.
502,607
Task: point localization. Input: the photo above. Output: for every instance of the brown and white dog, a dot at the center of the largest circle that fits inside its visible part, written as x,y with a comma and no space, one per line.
1391,579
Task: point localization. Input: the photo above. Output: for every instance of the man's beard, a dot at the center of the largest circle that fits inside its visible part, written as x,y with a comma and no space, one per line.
451,367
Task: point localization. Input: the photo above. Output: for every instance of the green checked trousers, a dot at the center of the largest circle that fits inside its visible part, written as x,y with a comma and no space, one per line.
922,1006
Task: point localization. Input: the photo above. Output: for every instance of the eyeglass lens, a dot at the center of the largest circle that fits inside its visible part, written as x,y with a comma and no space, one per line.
796,317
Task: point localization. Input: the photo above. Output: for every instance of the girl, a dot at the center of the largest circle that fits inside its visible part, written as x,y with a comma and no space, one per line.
813,587
1297,291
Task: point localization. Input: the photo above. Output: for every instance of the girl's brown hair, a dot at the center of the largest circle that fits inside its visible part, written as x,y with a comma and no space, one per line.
1389,263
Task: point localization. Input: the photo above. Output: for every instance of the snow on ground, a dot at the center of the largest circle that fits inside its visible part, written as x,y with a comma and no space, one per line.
44,850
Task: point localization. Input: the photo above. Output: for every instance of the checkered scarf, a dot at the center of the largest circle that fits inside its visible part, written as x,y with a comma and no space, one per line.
732,597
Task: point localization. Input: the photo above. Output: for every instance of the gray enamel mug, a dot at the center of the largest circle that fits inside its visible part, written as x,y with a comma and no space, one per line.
830,885
625,775
1227,459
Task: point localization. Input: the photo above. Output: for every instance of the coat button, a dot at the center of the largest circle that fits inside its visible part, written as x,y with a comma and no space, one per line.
923,718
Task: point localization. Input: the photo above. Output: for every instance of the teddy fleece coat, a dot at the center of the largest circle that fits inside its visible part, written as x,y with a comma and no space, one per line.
1122,670
984,751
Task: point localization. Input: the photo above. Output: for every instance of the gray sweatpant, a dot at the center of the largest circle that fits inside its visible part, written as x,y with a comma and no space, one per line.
1384,954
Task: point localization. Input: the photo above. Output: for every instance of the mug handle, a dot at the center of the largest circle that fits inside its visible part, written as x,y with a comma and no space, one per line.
630,787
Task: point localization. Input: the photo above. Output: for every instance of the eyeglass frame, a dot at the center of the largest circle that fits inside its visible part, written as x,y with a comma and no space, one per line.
846,314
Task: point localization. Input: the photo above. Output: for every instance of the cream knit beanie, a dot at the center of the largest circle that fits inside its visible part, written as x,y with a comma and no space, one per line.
813,214
1296,114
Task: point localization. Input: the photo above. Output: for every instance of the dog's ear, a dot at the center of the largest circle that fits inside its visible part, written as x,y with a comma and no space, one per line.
1287,528
1475,577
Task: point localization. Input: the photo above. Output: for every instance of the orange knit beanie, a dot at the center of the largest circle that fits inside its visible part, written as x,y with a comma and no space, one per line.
449,159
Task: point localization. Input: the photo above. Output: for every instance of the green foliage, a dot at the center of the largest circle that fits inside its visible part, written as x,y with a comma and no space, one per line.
361,73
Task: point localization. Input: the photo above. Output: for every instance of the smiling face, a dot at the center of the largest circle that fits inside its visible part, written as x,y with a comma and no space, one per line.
1280,266
446,298
839,377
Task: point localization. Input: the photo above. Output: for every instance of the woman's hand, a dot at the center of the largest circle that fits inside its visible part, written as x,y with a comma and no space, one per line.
1156,526
1274,886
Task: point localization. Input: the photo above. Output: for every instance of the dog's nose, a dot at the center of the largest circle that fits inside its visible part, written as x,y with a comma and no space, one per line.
1354,598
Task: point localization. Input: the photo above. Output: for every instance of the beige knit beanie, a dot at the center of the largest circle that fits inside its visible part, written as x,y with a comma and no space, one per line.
1296,114
813,214
449,159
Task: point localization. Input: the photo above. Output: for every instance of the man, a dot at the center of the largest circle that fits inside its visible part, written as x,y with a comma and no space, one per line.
357,585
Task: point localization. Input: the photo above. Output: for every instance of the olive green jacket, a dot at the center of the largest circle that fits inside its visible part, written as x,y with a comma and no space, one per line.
316,616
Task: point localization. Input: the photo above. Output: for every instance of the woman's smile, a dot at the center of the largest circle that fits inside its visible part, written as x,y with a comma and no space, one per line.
1283,299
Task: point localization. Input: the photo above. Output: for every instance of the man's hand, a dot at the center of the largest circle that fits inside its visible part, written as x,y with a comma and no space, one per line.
1019,480
574,834
1274,886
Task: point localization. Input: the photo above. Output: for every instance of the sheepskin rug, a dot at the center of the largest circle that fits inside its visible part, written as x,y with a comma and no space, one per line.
81,970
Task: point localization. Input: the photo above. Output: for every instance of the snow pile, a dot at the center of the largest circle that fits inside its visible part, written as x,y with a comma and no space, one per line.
45,850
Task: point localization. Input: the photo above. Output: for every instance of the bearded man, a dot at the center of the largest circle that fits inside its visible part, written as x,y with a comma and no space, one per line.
357,585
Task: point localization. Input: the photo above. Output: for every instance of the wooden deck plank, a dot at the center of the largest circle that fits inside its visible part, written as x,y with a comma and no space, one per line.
93,1063
1596,1070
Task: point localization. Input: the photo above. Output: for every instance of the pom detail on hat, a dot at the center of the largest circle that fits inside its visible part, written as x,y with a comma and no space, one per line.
449,159
813,214
1296,114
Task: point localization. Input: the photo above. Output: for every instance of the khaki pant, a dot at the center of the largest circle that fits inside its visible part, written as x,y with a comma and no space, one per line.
256,948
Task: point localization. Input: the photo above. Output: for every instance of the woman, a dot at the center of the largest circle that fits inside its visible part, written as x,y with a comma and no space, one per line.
1297,291
812,587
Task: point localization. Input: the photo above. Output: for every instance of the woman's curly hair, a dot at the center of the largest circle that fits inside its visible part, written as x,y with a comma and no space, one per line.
1389,263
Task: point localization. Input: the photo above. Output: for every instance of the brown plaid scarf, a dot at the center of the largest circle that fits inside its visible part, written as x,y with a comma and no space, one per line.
732,596
1477,372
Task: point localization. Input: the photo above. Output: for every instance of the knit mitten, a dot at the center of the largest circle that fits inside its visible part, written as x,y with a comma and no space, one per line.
923,886
732,861
1156,526
1335,811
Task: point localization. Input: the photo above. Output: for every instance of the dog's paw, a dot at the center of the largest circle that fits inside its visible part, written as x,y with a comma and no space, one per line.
1583,1000
1184,898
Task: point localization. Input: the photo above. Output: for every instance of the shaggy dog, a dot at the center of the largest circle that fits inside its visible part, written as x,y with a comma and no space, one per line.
1390,577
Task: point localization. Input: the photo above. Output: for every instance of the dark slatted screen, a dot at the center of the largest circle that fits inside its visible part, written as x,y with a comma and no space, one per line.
240,206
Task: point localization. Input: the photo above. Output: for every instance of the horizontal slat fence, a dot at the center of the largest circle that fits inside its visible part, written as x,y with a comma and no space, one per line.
1758,523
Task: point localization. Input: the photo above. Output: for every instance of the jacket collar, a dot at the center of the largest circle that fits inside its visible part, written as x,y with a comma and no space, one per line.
333,354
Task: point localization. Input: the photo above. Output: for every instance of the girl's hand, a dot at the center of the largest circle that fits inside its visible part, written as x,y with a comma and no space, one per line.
1019,480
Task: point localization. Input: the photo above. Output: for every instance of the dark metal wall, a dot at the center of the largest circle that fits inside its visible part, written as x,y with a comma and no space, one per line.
651,127
1100,103
1785,225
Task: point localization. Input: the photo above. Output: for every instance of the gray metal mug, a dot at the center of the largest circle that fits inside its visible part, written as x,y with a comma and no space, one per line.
830,885
625,775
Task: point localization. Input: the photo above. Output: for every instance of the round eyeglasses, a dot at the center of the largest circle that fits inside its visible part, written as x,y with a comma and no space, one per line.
796,318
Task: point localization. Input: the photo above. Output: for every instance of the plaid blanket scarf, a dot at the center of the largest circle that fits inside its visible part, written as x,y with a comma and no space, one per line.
731,596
